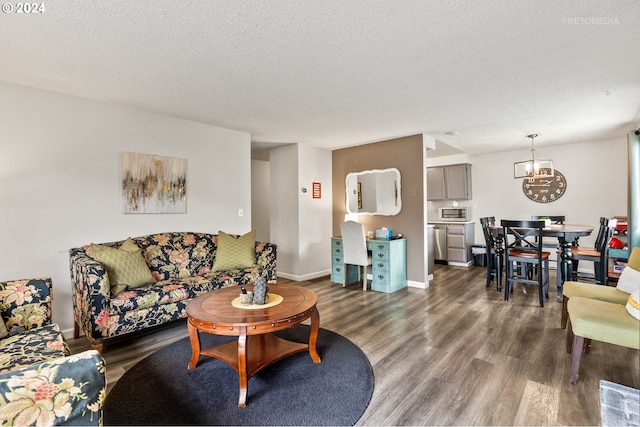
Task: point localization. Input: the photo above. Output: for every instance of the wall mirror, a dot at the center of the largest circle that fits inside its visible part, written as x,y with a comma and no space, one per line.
374,192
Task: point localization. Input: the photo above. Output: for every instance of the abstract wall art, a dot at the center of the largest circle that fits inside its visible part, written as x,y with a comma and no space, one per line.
153,184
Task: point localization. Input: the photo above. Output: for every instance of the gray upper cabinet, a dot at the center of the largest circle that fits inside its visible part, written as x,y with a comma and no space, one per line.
435,184
451,182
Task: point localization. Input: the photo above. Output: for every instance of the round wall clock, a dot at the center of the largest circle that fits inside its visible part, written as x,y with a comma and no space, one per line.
545,190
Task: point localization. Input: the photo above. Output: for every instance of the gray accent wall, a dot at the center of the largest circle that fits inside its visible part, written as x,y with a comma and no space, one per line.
407,155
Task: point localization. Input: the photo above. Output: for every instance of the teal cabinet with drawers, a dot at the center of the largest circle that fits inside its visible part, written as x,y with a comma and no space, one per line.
338,269
389,264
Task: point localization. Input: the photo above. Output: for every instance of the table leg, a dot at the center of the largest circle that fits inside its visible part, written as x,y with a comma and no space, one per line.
499,253
242,367
559,269
313,335
567,265
194,337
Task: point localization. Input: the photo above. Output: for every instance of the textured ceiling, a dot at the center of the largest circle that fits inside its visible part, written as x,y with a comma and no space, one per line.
336,73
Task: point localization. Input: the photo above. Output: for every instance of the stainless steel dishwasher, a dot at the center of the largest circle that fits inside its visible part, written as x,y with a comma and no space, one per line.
431,248
440,237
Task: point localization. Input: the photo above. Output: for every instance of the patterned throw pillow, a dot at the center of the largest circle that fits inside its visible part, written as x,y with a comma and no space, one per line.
125,266
629,280
234,253
633,304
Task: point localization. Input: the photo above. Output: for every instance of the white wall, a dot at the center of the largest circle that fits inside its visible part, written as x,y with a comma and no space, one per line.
284,206
300,224
596,174
60,180
314,165
260,199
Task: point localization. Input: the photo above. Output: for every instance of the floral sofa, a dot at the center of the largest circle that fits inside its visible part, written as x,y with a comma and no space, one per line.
40,383
182,266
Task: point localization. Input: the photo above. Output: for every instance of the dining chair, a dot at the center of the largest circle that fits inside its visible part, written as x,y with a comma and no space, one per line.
492,269
523,245
597,255
354,245
552,243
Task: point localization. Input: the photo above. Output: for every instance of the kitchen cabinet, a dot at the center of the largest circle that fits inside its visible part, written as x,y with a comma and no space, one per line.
435,184
451,182
459,242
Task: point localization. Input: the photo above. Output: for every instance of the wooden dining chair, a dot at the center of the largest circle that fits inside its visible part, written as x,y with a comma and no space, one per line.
597,254
552,243
492,269
354,245
523,246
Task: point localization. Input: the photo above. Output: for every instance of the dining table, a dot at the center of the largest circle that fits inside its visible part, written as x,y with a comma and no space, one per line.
567,235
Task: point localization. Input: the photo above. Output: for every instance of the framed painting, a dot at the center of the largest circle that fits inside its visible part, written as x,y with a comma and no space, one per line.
153,184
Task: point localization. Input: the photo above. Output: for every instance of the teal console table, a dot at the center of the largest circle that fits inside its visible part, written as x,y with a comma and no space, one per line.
389,264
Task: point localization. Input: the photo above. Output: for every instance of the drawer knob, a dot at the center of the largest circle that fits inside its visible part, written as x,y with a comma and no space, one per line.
380,276
380,265
380,255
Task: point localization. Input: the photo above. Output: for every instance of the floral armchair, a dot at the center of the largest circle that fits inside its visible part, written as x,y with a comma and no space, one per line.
40,383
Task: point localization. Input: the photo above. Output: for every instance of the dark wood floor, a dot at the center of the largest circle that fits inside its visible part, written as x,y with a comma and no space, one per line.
453,354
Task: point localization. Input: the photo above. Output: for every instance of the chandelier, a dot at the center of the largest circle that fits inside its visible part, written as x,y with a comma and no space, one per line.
535,167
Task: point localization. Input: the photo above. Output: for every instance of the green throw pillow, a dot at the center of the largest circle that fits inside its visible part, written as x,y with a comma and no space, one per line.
233,253
129,245
125,266
3,329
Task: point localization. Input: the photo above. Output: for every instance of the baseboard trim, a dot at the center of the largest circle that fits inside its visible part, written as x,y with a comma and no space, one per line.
460,264
304,277
420,285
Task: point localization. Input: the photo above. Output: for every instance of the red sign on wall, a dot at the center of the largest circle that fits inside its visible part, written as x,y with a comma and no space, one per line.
317,190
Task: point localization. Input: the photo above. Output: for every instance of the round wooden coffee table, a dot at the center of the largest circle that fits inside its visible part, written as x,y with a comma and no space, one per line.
256,347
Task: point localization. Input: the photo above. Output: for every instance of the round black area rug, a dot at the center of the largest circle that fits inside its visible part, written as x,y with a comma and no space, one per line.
160,390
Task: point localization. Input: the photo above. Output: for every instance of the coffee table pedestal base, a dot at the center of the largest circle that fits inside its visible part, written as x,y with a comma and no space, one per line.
256,346
250,354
